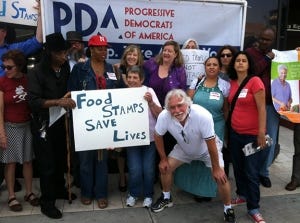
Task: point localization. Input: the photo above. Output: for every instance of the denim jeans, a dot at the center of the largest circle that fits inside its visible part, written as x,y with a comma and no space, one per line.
272,130
141,169
93,174
246,168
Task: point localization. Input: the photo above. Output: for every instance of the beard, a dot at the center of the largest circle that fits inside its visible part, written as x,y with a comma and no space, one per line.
76,55
181,116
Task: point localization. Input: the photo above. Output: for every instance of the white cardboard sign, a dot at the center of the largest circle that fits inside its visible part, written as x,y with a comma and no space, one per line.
110,118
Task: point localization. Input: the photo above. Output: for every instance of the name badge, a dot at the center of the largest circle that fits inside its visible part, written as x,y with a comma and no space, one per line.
112,76
243,93
214,96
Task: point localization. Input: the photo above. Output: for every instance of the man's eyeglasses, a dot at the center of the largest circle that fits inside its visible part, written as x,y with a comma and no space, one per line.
185,139
226,55
8,67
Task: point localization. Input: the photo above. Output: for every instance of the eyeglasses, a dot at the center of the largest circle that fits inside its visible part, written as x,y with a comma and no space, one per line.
226,55
8,67
185,139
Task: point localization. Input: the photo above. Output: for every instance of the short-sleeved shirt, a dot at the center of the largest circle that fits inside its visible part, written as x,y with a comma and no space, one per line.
281,92
244,118
191,138
152,119
16,108
199,127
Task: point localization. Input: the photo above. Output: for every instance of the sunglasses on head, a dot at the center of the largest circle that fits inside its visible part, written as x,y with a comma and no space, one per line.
8,67
226,55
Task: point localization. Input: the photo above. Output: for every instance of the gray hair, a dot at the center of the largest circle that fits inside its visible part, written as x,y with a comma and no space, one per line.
184,45
282,67
180,94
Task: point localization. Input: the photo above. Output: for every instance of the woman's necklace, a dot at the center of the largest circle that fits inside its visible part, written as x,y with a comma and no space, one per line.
163,71
210,83
57,71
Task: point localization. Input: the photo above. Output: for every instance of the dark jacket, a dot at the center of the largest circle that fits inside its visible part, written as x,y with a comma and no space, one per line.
44,84
84,78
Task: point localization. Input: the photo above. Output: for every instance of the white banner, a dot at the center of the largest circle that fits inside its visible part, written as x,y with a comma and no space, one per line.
194,63
110,118
148,23
20,12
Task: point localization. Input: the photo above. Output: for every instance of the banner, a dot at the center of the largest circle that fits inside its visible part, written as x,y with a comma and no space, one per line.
285,84
110,118
20,12
194,63
148,23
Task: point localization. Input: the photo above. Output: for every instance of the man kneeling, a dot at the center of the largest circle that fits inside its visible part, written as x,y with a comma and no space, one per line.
193,128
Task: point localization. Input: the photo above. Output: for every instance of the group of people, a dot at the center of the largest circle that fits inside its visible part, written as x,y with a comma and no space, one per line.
190,126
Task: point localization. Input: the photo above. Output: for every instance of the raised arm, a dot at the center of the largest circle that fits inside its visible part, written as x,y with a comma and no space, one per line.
39,27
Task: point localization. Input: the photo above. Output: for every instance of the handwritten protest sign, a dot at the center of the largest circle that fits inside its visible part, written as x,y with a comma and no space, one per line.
19,12
194,63
110,118
285,76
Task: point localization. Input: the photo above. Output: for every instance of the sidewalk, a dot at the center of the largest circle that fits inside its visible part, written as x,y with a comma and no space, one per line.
277,204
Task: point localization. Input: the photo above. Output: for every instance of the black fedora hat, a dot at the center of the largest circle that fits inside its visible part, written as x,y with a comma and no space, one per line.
74,36
56,42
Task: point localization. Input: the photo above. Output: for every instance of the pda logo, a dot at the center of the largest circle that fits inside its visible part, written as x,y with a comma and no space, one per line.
63,16
2,8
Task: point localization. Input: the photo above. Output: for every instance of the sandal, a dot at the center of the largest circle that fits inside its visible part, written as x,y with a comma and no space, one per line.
102,203
86,201
14,205
32,199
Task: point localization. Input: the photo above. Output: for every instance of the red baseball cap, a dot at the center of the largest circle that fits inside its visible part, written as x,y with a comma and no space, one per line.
98,40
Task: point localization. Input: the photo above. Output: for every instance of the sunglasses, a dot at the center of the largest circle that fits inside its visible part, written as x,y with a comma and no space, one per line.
8,67
185,139
226,55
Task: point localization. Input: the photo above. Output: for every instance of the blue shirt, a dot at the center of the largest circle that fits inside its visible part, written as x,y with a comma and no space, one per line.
28,47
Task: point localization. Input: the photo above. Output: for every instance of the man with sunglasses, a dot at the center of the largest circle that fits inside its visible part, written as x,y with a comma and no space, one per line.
193,128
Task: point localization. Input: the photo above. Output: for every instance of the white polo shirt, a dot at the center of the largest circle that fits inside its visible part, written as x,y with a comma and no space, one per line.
191,137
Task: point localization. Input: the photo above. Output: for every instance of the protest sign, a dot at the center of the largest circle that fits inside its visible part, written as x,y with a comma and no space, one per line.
285,76
19,12
110,118
194,63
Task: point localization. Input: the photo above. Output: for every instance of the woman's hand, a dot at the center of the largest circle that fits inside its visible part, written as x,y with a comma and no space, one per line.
148,98
261,140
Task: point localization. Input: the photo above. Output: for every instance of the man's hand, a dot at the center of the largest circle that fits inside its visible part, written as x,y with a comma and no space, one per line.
164,166
219,175
271,55
66,103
